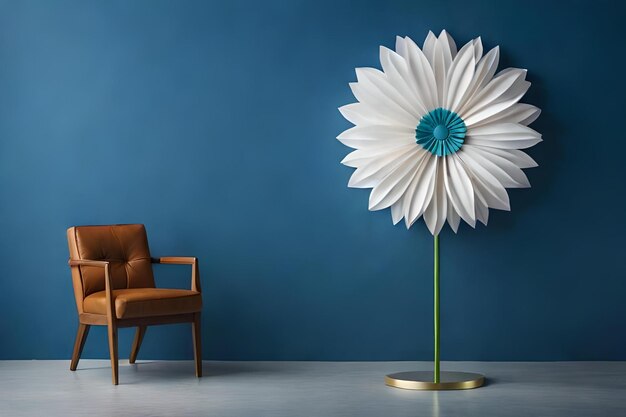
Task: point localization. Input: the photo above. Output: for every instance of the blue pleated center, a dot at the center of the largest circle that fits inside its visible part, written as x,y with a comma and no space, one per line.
441,132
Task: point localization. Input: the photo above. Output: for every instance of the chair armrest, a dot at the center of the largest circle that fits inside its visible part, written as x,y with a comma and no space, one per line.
183,260
87,262
176,260
108,287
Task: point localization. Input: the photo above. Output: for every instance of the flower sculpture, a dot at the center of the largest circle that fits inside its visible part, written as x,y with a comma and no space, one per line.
438,133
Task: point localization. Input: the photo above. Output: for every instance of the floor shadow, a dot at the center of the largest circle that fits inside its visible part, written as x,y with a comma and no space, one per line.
490,381
181,367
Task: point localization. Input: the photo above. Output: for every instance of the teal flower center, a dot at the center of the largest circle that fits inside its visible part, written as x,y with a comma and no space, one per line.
441,132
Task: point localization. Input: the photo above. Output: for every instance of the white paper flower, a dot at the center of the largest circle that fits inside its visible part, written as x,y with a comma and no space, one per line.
437,134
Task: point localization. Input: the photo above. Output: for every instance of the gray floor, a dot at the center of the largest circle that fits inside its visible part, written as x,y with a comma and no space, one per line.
325,389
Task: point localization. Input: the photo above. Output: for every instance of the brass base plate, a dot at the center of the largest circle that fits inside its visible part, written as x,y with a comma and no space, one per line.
423,380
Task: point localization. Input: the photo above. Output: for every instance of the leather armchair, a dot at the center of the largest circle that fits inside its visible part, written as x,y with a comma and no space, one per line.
114,287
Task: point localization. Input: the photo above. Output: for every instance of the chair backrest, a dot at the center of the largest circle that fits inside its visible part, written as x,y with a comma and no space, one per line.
124,246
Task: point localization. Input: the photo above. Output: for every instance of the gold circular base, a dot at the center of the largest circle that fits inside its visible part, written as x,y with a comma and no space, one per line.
423,380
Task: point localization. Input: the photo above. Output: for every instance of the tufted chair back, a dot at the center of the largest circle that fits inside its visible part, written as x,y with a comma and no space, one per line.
125,246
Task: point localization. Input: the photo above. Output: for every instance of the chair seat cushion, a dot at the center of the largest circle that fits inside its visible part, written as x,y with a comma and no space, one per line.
145,302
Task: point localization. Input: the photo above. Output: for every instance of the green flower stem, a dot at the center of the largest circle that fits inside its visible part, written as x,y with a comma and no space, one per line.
436,303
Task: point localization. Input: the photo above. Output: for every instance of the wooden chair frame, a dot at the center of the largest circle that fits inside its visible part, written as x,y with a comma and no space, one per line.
86,320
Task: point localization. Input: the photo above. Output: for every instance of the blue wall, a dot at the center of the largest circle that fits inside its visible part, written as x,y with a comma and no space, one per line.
214,123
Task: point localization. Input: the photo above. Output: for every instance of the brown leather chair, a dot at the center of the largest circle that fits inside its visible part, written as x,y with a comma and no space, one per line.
114,287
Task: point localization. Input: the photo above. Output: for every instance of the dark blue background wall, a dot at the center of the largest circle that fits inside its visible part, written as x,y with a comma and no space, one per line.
214,123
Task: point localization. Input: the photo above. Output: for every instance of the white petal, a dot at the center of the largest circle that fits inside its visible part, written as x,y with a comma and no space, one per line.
396,211
491,195
486,186
440,52
373,172
521,113
503,136
365,155
531,118
482,212
441,62
450,44
435,214
397,71
478,48
363,114
429,45
372,78
508,87
453,218
394,185
459,188
422,74
459,77
367,136
507,173
401,47
381,107
507,100
519,158
420,192
368,93
485,69
481,206
354,113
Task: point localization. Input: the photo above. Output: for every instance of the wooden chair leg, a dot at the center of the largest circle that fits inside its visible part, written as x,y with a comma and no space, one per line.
81,336
139,333
197,343
113,352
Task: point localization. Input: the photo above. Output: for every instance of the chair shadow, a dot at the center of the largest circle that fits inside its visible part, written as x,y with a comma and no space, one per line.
183,367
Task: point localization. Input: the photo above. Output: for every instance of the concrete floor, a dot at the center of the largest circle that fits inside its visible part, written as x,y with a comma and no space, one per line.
301,389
